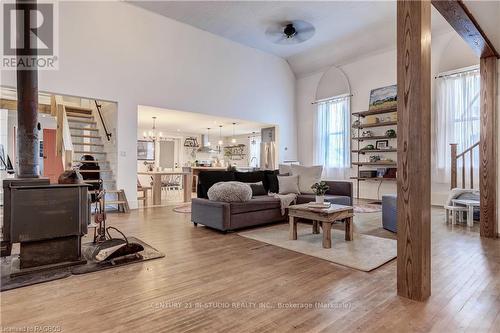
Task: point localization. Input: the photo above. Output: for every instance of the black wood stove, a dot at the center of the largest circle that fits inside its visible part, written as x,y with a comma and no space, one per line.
48,220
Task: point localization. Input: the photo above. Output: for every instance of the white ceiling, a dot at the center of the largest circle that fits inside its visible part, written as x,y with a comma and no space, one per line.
193,123
344,29
487,14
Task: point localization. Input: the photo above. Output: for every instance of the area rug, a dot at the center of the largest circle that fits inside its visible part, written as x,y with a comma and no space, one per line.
367,208
364,253
11,264
186,209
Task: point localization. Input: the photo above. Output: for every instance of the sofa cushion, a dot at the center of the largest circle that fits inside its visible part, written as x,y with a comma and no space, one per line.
230,192
271,183
307,176
208,178
288,184
334,199
250,177
257,189
261,202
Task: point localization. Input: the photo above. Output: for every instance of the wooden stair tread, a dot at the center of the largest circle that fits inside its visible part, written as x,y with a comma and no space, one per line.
88,152
77,109
74,120
88,144
79,115
85,136
84,129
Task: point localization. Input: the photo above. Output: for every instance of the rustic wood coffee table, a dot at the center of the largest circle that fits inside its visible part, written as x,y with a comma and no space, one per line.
324,217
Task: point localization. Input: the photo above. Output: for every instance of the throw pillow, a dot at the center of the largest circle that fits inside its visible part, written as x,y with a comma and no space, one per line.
307,176
230,192
288,184
258,189
285,169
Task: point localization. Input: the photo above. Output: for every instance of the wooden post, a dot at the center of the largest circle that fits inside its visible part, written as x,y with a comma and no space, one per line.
453,181
488,148
414,137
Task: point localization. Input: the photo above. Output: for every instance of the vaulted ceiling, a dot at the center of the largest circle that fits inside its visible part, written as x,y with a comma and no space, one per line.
344,29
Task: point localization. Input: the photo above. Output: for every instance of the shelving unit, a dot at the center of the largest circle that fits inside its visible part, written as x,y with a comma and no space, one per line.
358,138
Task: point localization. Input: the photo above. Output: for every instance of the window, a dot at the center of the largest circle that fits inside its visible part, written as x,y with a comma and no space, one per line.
332,137
457,119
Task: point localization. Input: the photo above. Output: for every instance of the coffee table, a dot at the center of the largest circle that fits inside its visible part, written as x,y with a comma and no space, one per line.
324,217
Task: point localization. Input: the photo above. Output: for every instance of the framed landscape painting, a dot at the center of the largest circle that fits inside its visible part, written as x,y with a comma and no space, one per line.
384,98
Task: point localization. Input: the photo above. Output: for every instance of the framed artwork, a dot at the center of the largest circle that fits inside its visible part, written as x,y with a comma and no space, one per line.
381,144
383,98
145,150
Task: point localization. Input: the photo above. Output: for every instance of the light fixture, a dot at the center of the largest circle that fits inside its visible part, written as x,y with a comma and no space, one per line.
233,140
208,137
151,135
220,136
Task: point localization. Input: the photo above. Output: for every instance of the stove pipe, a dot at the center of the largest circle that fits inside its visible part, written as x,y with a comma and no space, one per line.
27,96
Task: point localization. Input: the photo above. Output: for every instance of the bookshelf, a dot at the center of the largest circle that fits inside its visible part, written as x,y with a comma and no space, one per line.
381,124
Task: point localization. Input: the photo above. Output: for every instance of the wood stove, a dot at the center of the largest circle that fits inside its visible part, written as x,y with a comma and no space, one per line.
48,220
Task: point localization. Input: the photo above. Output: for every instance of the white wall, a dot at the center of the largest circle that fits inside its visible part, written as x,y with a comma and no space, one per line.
373,71
116,51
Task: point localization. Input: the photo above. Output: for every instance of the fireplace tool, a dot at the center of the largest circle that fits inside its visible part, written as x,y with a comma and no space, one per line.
105,247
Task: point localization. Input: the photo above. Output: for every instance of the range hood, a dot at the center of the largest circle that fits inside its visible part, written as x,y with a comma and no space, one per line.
204,148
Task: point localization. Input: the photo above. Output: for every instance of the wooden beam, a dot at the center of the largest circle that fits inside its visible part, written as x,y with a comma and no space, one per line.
414,147
459,17
488,148
11,104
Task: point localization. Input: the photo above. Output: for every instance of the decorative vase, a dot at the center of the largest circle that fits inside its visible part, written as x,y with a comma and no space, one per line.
320,199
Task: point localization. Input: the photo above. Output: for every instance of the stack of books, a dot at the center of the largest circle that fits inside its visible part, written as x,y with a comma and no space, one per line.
318,206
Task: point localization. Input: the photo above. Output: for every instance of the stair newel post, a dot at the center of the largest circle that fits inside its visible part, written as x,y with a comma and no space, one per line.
453,181
471,161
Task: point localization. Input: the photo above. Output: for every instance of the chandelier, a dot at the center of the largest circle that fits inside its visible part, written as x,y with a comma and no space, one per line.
152,135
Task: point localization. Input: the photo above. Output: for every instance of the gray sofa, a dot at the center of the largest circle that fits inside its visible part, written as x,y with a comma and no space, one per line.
389,212
259,210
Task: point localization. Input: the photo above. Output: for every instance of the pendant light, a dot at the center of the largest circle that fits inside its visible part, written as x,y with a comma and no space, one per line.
220,136
233,140
208,137
152,135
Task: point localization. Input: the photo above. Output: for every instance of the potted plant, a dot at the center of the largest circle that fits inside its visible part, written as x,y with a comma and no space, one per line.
320,189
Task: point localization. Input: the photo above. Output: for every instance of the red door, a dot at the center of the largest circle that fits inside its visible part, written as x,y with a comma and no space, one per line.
52,164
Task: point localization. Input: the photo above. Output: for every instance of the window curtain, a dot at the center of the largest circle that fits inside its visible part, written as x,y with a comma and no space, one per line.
332,139
457,120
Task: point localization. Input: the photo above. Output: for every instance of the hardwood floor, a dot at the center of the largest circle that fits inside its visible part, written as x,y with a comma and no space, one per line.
206,274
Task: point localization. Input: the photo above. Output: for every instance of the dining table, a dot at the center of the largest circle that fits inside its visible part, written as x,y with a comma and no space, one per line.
157,183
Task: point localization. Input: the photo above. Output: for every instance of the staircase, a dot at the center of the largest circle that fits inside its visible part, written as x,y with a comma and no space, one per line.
467,173
86,139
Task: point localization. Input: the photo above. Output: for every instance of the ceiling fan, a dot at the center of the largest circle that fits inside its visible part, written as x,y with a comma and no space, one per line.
291,32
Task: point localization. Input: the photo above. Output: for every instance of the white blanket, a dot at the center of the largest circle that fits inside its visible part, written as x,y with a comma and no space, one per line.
286,200
456,192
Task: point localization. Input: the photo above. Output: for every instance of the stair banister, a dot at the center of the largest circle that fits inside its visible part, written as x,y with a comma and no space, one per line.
64,144
453,181
454,159
98,107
